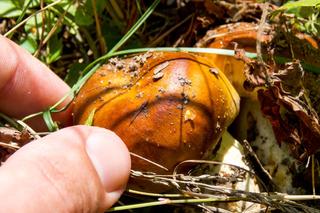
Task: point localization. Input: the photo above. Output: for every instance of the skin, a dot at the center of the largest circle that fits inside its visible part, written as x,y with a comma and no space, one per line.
76,169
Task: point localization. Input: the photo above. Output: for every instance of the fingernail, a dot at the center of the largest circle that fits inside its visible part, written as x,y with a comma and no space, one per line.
110,158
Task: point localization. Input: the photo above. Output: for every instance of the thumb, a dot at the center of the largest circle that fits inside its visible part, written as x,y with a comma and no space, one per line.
76,169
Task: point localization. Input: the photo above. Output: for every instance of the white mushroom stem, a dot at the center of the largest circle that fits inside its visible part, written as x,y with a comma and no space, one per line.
231,152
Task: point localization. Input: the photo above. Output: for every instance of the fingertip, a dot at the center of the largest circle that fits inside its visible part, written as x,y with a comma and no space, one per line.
88,166
28,86
110,157
112,198
8,60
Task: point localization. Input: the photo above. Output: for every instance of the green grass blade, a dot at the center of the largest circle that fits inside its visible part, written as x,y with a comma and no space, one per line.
12,122
89,121
136,26
52,125
184,49
169,201
24,11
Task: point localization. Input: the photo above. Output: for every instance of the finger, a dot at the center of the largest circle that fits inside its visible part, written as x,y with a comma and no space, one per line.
77,169
26,85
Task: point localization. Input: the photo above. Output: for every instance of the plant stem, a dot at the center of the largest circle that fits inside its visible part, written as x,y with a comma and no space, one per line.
166,202
25,20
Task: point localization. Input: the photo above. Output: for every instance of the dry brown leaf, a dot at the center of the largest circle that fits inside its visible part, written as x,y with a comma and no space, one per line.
11,140
292,119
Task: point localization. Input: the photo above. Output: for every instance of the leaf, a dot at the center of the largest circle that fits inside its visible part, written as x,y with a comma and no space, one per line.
292,120
19,3
30,44
89,121
82,18
33,26
301,3
54,49
101,5
84,15
111,32
74,73
8,9
69,18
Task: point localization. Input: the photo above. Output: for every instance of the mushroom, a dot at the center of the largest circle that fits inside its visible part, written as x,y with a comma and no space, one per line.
241,35
251,124
170,109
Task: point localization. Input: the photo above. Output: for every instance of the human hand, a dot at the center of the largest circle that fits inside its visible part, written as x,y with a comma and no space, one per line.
76,169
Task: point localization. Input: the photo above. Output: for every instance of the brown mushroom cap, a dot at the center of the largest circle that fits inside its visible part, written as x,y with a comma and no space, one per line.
170,108
225,37
245,35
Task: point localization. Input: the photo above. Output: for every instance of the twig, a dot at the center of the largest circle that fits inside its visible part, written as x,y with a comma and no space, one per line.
149,161
300,197
117,9
256,165
43,17
27,19
312,173
102,42
260,31
182,37
10,146
155,42
29,129
52,31
155,194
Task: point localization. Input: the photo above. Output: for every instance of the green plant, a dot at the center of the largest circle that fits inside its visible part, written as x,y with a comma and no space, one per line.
306,17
